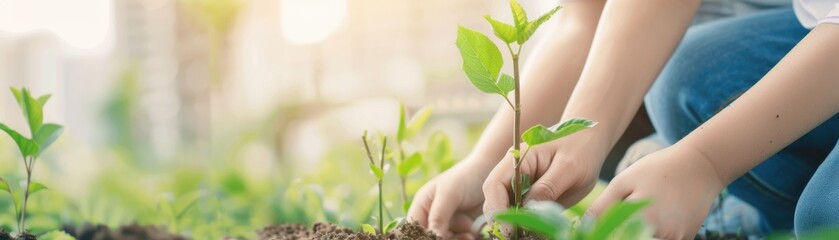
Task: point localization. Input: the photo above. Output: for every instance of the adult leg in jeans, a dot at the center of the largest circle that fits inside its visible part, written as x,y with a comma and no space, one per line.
715,63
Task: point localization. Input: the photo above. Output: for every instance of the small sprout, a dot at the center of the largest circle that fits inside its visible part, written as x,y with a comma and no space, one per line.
378,171
406,130
496,231
392,225
367,228
42,136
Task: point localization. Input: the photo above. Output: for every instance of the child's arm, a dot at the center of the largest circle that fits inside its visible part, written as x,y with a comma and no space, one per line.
634,40
800,93
550,75
797,95
449,203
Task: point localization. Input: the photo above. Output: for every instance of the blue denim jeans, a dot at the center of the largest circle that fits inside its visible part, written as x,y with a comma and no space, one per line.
797,188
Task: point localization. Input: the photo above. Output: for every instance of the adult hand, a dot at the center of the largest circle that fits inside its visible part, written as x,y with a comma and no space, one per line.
681,183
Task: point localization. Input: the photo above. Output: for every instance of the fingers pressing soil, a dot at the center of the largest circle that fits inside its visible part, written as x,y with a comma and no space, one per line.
328,231
127,232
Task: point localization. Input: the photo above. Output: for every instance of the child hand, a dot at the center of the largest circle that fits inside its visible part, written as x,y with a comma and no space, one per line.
564,171
681,183
450,203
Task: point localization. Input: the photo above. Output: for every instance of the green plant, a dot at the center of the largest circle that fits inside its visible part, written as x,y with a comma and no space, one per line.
406,166
482,64
547,219
379,172
42,135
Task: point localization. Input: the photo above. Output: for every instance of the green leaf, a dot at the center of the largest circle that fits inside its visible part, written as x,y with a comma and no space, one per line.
439,151
506,84
540,134
615,216
18,96
503,31
519,16
527,220
516,153
28,148
35,187
43,99
418,121
550,212
410,165
392,225
496,231
369,229
531,27
402,131
56,235
33,111
525,181
5,186
378,172
407,205
47,135
481,59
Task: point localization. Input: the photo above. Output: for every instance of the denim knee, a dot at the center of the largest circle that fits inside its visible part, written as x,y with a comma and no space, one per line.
676,103
818,207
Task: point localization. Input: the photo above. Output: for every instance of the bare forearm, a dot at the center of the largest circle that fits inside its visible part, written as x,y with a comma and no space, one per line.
633,42
797,95
548,79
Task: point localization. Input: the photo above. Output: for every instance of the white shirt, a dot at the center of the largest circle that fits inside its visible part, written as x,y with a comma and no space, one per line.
814,12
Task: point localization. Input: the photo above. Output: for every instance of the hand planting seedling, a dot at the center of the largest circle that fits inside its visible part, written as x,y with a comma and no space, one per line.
42,135
482,64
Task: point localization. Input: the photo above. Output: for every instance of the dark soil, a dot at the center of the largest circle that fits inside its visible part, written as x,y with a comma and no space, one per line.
127,232
26,236
5,235
329,231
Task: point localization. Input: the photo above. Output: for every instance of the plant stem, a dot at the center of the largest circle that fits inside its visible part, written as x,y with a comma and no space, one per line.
381,199
401,178
29,164
517,191
367,147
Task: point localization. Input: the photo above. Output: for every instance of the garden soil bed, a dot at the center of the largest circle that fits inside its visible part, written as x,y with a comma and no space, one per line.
329,231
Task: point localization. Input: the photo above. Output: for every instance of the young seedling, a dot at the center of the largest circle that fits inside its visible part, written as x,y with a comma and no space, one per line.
546,218
406,130
379,172
42,135
482,64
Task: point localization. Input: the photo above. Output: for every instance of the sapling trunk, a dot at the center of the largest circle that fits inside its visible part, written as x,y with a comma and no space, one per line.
517,191
482,62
